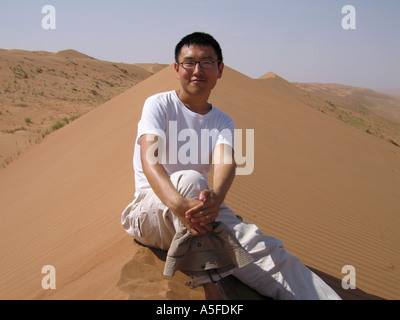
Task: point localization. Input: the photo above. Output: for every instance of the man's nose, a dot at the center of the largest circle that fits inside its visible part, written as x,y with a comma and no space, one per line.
197,68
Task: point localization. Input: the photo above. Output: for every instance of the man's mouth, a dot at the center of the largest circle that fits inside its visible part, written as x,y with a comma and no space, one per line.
198,80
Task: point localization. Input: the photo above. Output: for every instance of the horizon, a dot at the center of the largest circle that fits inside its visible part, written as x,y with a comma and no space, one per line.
312,41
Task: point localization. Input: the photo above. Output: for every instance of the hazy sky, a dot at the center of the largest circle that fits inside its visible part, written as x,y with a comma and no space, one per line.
300,40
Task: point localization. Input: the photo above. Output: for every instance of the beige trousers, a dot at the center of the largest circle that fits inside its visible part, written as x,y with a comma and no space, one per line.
274,273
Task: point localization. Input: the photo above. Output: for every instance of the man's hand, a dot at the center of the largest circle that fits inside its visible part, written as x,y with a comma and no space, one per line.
205,212
185,205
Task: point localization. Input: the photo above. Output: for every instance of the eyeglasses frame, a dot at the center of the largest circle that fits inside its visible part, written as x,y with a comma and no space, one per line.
198,62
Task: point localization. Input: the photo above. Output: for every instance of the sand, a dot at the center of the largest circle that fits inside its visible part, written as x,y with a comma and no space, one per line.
329,191
42,91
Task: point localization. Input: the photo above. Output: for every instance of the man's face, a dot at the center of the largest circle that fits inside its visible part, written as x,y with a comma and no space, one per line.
198,81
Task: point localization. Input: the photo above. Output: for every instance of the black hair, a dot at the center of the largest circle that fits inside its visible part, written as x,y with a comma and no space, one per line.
201,39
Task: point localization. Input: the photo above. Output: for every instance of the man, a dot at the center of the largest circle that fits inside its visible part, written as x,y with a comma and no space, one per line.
172,188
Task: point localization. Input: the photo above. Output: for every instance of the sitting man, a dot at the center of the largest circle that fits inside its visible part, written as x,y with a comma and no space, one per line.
172,192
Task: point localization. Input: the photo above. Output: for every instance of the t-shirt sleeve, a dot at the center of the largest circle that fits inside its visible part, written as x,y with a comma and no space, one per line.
153,119
226,133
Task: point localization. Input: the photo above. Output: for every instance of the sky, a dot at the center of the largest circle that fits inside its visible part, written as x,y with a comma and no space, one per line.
300,40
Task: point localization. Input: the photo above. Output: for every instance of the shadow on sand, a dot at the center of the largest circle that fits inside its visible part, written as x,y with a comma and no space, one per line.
237,290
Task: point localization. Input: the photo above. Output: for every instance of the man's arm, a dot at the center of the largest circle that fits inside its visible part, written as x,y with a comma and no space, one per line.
165,190
224,174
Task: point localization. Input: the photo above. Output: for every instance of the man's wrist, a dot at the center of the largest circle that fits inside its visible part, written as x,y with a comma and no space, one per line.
220,196
175,202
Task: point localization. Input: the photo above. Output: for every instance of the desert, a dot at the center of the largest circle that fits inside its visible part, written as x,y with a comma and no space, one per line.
326,177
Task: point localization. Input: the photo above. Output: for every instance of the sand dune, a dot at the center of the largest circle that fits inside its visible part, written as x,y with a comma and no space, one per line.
42,91
329,191
373,112
151,67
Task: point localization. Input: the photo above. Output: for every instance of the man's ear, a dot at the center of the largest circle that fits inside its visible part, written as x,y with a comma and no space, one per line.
220,69
176,67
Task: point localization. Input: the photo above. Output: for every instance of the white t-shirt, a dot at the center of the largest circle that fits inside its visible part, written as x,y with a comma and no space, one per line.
187,138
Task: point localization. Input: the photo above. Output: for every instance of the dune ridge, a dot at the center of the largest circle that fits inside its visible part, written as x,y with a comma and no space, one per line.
328,190
374,112
43,91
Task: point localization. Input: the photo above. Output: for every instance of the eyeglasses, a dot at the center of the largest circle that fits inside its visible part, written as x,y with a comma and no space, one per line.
204,64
